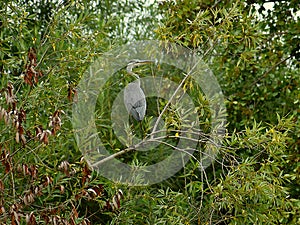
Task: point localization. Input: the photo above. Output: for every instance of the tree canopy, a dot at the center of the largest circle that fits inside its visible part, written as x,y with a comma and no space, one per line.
253,50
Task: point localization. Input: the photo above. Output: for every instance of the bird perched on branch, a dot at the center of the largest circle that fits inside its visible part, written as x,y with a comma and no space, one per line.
134,97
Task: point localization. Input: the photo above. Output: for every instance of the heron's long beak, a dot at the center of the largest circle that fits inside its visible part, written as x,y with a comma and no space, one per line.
146,61
141,62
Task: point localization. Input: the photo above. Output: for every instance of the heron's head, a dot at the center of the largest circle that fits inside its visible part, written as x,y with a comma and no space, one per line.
136,62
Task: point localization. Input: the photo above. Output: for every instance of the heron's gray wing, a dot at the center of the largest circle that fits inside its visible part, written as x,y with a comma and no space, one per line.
138,110
135,101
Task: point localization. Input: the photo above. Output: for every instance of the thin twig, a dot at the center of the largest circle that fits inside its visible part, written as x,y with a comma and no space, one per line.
269,70
114,156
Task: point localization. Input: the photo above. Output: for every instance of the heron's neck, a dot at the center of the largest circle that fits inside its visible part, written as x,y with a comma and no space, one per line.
137,81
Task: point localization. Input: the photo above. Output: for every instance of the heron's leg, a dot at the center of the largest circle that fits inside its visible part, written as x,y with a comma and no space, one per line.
141,130
136,127
132,126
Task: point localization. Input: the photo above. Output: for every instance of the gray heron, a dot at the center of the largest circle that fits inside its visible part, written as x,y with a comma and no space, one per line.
134,97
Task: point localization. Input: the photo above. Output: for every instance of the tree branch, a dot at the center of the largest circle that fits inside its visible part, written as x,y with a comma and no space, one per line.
269,70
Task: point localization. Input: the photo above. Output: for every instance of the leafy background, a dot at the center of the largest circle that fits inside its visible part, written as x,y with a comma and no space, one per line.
252,50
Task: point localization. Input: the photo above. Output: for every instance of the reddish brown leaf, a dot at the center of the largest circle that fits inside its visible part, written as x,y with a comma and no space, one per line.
2,210
32,56
74,212
1,186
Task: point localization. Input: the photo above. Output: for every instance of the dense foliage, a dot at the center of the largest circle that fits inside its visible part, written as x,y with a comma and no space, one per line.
45,47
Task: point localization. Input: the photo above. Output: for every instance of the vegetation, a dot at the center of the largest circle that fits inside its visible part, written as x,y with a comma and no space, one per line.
253,51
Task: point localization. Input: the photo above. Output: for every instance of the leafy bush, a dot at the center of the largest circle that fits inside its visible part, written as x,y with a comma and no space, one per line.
44,50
